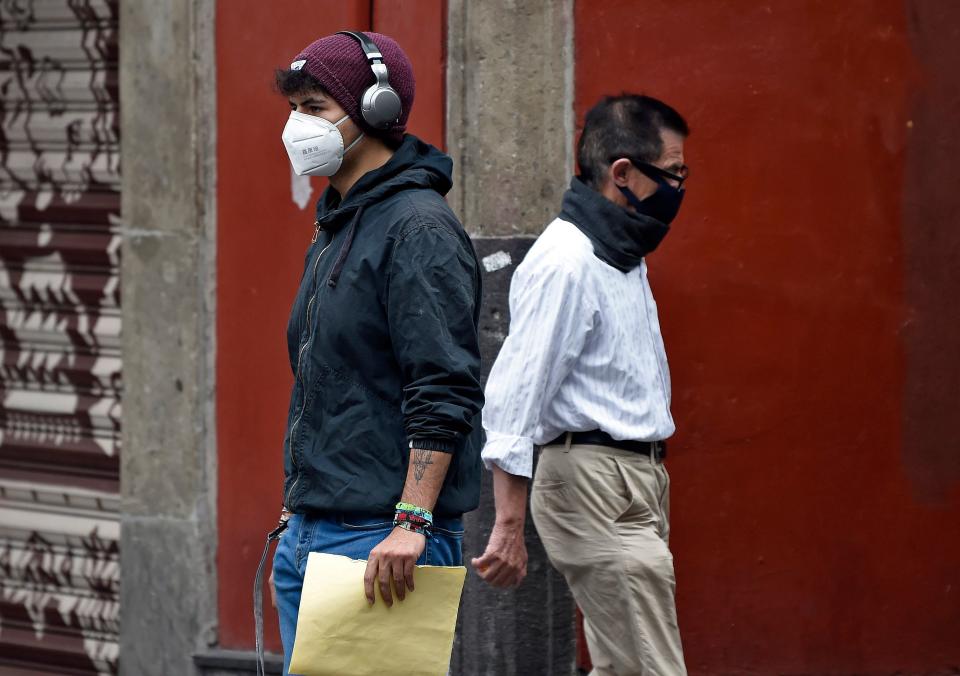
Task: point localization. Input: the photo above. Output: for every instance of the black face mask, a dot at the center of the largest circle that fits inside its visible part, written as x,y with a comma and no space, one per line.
662,205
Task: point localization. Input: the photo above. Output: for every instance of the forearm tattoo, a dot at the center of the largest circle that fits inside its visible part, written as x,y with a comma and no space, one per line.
422,458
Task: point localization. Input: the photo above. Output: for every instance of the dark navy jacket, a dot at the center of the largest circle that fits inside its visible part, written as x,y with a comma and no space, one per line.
383,342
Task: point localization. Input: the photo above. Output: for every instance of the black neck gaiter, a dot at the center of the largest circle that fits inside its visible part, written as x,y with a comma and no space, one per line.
620,238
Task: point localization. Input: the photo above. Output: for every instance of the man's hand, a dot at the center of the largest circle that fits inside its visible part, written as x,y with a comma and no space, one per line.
393,559
273,591
504,562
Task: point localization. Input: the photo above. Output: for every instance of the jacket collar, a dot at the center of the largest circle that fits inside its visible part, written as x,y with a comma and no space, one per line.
414,165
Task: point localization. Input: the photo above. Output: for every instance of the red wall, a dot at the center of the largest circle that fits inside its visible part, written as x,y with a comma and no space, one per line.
816,521
262,237
807,294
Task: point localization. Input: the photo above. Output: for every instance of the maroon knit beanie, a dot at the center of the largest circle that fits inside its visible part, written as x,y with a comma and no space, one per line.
339,64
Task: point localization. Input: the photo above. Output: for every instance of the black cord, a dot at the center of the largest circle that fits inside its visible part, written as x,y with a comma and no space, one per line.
258,595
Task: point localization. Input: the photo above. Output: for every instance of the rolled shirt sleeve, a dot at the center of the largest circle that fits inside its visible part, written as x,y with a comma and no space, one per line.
551,316
432,309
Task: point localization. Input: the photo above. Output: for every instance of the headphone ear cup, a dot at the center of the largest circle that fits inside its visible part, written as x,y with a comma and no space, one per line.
381,107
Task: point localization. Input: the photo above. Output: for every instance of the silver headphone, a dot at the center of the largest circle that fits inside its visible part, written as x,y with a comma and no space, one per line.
380,103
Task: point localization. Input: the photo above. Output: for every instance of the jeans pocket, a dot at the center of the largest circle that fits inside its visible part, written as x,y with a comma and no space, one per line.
444,548
305,533
449,527
361,522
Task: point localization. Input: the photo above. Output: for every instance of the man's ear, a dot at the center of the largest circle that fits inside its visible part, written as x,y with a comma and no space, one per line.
618,173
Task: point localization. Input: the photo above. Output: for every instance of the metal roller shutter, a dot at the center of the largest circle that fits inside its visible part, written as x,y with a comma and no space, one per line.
59,336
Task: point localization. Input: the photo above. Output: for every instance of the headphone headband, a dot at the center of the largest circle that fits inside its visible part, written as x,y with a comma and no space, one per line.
370,49
380,105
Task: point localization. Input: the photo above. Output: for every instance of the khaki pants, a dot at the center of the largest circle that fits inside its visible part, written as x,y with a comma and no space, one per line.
603,517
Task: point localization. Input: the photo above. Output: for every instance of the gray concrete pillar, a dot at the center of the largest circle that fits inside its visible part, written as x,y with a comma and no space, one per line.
510,133
510,120
168,474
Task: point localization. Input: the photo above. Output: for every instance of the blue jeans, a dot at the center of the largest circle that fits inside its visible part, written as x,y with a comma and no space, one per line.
347,536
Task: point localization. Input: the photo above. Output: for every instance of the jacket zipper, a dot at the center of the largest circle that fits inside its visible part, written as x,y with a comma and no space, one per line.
299,378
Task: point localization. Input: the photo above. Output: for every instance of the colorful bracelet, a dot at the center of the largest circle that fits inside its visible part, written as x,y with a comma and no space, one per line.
412,518
413,509
407,517
406,525
412,523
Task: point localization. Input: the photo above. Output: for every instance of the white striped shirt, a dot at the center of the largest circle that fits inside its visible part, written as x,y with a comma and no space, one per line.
584,353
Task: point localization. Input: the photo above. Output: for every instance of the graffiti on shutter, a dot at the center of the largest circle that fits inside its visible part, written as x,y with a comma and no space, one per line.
59,336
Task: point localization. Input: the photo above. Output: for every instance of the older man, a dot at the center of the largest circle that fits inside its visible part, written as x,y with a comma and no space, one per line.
584,374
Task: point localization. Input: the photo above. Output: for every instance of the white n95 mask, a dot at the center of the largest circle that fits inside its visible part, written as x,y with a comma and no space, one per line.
314,145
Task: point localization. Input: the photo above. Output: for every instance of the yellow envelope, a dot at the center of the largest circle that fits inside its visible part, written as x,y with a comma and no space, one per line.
340,634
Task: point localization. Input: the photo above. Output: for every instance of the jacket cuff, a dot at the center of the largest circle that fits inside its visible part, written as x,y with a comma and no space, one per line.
442,445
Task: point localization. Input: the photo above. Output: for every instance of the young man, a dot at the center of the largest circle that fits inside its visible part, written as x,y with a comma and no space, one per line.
381,454
584,374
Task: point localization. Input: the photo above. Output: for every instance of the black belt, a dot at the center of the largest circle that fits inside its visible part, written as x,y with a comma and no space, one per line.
658,449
